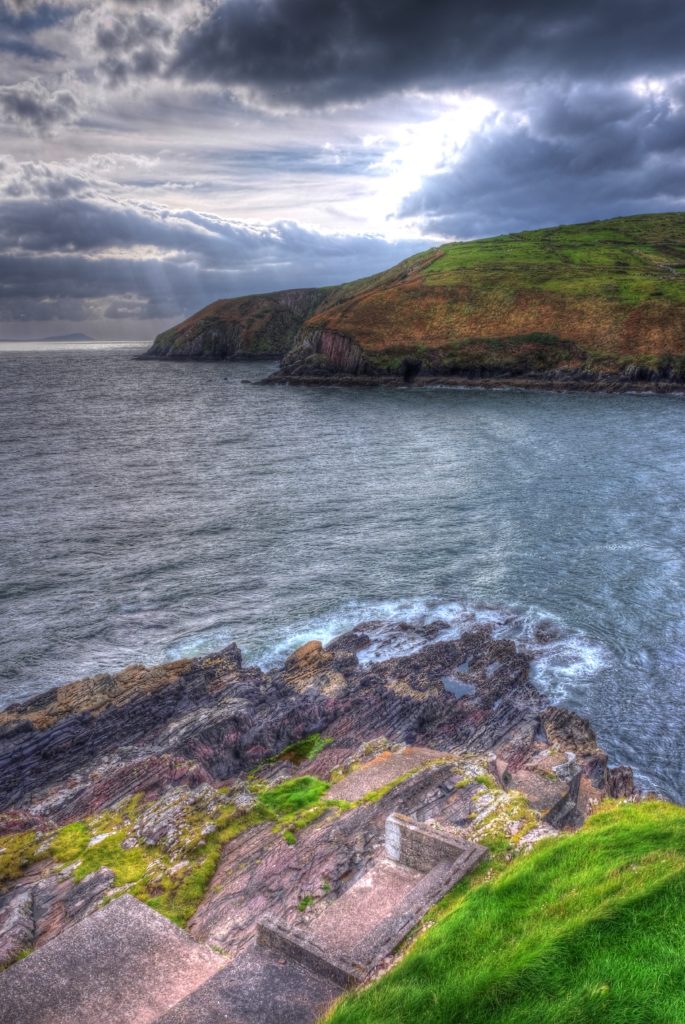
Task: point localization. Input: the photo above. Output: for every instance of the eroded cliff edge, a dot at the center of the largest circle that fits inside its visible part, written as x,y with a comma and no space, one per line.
217,792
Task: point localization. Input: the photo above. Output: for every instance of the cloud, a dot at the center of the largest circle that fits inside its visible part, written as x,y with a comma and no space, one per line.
309,53
71,250
132,44
35,107
582,152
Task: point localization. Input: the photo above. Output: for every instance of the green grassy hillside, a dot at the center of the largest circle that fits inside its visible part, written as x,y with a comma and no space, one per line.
605,298
589,927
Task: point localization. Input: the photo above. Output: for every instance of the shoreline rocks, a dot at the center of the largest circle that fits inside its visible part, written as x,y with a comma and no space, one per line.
169,751
558,381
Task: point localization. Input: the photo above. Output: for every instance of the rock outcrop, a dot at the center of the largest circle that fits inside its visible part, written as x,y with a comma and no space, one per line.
167,774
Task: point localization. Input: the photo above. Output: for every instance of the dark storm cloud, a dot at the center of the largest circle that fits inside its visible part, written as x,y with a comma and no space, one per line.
581,153
31,15
19,20
35,107
309,52
69,249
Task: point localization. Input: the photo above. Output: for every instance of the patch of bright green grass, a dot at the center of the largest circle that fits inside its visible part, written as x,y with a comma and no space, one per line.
128,865
594,253
17,852
70,842
293,795
587,927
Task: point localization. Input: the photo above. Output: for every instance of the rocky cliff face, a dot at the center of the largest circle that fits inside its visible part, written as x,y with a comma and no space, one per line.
257,326
320,352
156,781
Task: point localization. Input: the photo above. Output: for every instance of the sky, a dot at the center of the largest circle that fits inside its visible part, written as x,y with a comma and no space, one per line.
159,154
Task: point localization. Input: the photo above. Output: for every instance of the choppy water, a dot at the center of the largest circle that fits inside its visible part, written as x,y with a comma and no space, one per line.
153,510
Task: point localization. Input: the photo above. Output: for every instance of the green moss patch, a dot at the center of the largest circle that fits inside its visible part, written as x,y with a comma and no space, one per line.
293,795
17,852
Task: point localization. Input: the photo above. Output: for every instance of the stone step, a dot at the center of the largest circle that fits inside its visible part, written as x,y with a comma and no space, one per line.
258,987
374,898
124,964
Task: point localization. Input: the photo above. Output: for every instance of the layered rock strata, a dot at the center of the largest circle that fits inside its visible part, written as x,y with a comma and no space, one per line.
181,745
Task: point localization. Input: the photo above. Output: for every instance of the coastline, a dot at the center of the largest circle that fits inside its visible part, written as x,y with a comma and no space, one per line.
608,385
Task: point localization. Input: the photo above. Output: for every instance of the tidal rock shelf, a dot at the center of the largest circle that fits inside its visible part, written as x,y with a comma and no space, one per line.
244,804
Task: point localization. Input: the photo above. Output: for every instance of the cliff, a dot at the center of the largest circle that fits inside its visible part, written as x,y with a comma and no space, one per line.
255,326
581,305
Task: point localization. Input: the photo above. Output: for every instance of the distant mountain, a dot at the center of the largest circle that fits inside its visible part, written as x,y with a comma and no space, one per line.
55,337
67,337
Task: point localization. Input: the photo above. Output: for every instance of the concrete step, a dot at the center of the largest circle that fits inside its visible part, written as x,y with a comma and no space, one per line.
258,987
357,913
378,772
125,964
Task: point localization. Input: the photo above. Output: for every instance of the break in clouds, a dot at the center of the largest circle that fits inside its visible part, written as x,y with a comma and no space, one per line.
160,155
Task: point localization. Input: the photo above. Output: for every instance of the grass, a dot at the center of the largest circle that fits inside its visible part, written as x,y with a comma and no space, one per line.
584,296
588,926
293,795
17,852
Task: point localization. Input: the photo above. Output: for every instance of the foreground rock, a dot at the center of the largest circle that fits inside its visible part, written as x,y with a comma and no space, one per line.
193,785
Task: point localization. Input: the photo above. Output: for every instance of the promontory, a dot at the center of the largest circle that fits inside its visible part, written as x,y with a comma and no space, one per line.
600,304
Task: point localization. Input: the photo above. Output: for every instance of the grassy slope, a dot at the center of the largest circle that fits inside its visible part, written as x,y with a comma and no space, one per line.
587,927
601,295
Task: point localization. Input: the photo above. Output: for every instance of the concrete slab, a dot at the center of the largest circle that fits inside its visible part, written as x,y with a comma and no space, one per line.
379,771
258,987
125,964
359,911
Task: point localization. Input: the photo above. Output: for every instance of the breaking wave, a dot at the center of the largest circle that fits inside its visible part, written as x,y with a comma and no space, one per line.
562,658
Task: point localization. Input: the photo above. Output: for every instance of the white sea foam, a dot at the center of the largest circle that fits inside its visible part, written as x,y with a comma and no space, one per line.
562,658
